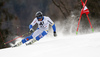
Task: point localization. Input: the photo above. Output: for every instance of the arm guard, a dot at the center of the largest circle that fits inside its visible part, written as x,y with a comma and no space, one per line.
54,28
30,26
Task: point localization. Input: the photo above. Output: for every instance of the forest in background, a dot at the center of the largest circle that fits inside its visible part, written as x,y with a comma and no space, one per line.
16,15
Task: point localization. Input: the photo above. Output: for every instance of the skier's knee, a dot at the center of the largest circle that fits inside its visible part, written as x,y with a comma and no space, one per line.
37,38
27,39
41,35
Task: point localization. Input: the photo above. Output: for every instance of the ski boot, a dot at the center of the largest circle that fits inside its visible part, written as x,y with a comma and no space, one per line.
31,42
18,44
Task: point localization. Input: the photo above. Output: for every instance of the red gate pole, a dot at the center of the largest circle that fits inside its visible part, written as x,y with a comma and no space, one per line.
90,23
78,24
84,11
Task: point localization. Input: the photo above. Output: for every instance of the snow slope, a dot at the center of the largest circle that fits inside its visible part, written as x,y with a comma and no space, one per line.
61,46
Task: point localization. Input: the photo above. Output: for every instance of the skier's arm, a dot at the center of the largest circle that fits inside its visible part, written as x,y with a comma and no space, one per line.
54,29
32,24
53,26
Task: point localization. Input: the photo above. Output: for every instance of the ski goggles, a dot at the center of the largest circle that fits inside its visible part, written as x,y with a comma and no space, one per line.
39,17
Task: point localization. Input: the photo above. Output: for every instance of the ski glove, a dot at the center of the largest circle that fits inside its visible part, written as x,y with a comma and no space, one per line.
55,34
31,30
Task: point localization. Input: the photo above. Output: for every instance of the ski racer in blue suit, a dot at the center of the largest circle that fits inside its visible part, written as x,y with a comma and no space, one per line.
42,30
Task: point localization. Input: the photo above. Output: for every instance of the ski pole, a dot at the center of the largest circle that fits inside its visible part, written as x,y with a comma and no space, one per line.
16,38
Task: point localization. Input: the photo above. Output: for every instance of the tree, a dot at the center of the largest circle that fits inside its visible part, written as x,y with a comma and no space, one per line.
5,17
63,7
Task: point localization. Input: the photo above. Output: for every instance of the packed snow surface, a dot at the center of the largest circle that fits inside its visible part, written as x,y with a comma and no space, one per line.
87,45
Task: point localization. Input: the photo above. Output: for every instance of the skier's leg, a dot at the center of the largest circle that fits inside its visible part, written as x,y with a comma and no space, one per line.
23,41
36,33
41,35
37,38
27,39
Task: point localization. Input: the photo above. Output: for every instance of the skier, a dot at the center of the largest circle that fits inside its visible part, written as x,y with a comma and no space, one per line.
42,30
